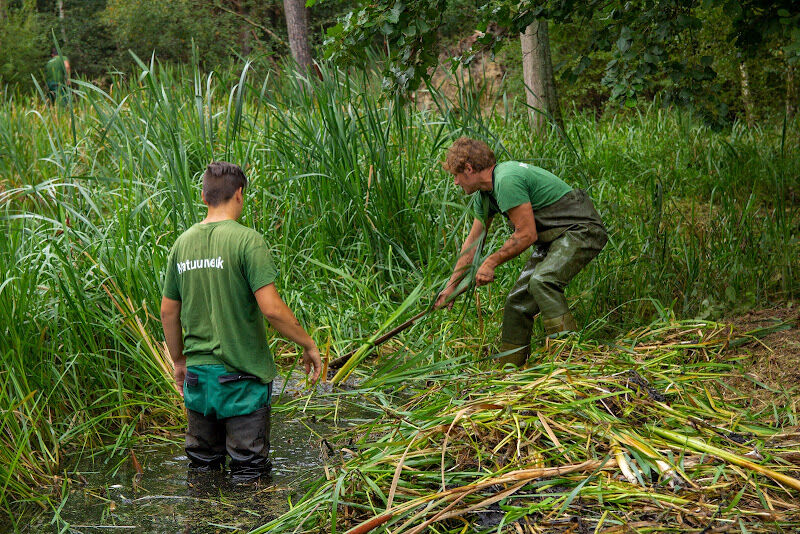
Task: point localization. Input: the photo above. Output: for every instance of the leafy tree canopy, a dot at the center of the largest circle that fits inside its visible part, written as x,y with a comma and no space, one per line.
643,37
408,29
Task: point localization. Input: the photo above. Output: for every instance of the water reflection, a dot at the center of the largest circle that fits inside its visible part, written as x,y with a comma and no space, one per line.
166,497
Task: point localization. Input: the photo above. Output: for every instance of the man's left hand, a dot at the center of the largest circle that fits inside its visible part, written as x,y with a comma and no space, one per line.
485,274
311,360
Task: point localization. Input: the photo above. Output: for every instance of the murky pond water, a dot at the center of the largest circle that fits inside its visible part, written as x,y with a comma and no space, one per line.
168,498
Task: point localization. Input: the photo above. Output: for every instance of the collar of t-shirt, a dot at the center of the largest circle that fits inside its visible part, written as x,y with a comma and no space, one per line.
493,199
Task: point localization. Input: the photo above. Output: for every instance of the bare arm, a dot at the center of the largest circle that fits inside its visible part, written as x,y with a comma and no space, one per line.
464,261
523,237
284,321
173,334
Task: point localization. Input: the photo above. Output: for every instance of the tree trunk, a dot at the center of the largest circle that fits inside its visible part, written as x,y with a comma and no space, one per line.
791,93
298,32
747,99
244,28
60,4
537,73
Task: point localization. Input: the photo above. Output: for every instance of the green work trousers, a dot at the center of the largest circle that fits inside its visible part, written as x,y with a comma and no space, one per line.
571,234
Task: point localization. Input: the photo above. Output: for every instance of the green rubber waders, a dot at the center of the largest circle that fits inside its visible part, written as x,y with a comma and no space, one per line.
557,325
518,357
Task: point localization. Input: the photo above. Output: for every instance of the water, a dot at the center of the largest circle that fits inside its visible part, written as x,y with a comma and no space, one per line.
167,498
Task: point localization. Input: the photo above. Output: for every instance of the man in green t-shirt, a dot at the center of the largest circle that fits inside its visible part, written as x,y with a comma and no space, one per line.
545,212
56,73
218,287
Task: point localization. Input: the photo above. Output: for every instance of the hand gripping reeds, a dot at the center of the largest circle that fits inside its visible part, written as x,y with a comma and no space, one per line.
345,364
349,361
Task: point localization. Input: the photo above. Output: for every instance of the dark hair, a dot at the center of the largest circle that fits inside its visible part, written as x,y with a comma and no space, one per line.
53,51
465,150
221,180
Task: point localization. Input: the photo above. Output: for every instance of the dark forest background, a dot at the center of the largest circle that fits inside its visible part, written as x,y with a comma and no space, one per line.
98,37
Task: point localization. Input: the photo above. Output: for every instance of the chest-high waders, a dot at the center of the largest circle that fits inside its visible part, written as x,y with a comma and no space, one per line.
571,234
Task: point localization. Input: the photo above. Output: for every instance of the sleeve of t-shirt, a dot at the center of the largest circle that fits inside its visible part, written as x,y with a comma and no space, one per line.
171,290
511,192
259,269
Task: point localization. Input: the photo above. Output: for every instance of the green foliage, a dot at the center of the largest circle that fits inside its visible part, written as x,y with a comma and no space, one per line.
676,48
168,29
347,188
648,41
23,43
87,39
647,47
459,18
579,81
321,16
685,52
97,35
758,24
409,31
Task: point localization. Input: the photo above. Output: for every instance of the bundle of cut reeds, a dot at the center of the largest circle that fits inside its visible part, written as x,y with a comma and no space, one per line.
632,435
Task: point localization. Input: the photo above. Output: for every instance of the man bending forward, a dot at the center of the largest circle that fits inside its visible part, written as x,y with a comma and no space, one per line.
546,212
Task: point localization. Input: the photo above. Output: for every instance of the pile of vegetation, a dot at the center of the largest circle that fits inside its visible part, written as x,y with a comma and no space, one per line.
644,433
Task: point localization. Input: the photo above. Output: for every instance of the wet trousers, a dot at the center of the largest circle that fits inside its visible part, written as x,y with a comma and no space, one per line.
245,438
571,235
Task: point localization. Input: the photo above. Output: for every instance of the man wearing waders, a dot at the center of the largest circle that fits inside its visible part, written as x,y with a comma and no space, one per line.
545,212
218,287
56,73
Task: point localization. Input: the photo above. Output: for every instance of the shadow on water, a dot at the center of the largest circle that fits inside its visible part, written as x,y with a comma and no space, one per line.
166,497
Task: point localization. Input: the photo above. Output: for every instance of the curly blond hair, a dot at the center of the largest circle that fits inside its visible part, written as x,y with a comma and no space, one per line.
465,150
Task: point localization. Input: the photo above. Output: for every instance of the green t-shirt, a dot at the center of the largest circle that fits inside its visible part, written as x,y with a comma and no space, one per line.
55,71
516,183
214,269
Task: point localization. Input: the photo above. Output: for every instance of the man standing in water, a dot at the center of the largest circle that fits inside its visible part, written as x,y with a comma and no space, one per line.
219,281
57,72
544,211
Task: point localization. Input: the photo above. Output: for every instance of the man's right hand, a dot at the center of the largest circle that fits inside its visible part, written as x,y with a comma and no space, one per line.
442,299
180,376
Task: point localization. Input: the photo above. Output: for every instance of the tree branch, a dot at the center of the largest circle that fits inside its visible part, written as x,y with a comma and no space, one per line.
251,22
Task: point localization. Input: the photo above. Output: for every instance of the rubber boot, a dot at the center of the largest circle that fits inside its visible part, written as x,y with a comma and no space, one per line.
557,325
518,357
248,445
205,442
